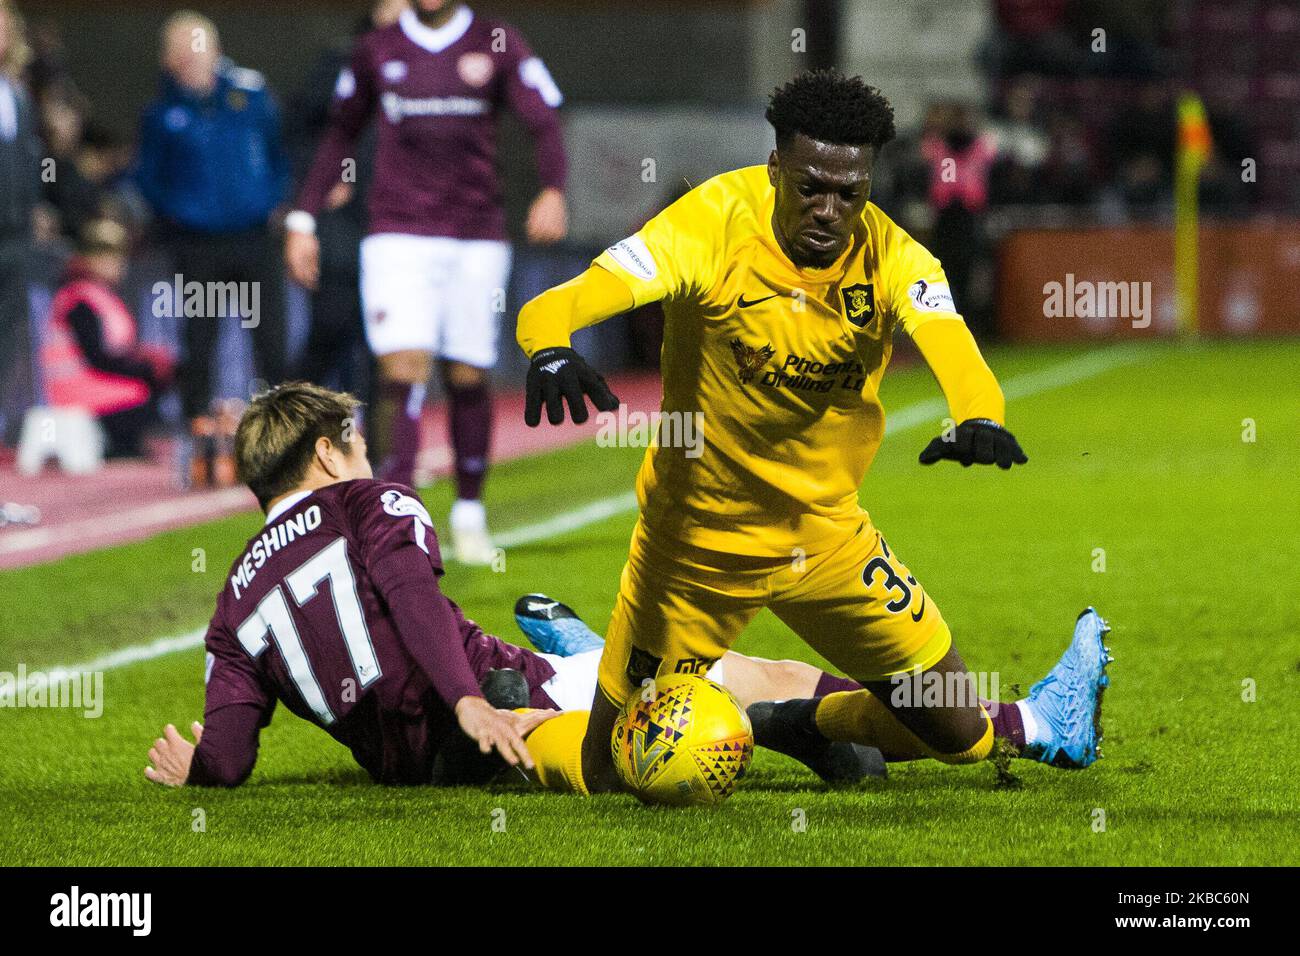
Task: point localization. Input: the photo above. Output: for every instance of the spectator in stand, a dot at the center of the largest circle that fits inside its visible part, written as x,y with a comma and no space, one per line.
63,121
105,159
213,167
1134,33
93,160
336,354
1023,148
20,156
49,60
1143,135
960,158
1031,36
105,156
1223,192
1072,171
92,357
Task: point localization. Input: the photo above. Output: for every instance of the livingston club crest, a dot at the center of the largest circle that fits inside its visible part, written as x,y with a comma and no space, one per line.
859,303
750,359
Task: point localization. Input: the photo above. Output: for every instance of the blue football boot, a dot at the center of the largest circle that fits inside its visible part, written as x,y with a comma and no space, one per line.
553,627
1067,702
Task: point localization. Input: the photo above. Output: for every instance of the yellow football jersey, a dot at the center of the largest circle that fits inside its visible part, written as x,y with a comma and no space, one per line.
783,365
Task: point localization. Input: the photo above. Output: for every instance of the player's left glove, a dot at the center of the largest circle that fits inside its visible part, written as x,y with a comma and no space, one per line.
977,441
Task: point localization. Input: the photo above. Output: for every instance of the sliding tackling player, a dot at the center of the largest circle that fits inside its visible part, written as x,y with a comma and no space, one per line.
334,609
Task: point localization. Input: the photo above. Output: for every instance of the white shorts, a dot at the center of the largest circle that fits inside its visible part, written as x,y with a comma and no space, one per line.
434,294
574,685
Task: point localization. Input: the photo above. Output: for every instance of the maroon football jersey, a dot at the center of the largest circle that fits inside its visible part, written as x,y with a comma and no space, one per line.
334,610
437,94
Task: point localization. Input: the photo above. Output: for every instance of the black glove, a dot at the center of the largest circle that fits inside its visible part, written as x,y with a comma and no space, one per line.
978,441
561,373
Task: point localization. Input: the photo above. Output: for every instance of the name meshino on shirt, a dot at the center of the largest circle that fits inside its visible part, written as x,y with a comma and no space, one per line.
271,540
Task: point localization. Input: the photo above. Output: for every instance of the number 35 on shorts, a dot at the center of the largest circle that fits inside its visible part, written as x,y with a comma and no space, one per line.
885,576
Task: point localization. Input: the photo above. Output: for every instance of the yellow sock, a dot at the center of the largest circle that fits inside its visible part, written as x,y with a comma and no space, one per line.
860,717
556,746
976,752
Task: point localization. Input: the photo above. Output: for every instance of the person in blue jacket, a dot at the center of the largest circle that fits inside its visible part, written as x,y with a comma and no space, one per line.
213,166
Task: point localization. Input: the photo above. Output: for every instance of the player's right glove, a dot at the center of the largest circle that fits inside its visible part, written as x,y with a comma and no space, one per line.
559,375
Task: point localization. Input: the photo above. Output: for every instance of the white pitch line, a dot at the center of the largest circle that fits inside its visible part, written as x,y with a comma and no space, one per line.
121,658
1072,370
212,504
1069,372
568,521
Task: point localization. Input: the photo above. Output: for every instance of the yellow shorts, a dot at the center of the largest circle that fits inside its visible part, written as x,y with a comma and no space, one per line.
679,609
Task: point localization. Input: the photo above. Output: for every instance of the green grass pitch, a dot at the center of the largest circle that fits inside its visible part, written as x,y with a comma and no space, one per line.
1147,461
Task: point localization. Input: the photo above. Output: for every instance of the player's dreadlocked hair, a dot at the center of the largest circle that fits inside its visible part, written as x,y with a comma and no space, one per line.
828,106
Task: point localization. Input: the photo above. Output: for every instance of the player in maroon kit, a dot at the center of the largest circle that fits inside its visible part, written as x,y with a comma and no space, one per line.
435,261
334,609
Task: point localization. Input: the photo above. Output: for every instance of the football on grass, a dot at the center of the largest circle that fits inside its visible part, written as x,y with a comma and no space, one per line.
682,740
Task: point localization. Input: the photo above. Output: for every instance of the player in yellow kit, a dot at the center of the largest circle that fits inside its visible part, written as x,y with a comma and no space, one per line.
782,287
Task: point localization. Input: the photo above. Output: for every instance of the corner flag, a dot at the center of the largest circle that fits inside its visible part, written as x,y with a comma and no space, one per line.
1194,145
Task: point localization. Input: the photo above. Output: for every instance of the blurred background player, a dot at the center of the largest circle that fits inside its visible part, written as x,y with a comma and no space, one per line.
92,357
335,352
435,261
213,167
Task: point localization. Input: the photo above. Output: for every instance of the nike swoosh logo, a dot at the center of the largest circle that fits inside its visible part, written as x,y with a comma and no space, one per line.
533,606
921,613
746,304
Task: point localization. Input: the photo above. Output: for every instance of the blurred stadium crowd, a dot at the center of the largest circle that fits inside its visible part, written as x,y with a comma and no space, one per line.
1058,135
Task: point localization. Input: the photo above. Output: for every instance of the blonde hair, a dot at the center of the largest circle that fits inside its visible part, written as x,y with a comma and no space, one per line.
276,437
192,19
19,54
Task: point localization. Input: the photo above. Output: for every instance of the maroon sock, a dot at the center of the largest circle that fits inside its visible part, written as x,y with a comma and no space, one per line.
1007,721
829,684
471,436
406,402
